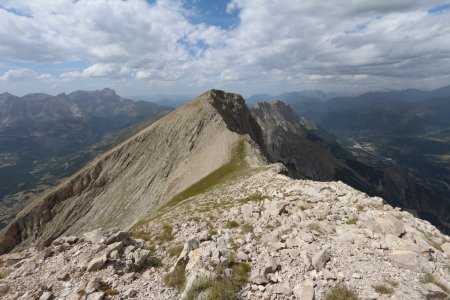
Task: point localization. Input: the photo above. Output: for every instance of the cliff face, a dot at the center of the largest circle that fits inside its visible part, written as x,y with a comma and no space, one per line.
125,184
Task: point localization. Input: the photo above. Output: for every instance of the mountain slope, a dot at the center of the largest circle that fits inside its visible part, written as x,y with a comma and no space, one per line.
123,185
45,138
37,129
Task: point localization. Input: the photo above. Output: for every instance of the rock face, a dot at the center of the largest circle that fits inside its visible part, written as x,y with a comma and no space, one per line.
263,220
122,186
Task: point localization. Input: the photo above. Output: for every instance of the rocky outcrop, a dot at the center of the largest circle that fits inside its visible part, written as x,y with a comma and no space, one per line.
87,267
263,235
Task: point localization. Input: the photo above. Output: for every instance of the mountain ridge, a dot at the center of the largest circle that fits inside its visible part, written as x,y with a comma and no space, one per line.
195,141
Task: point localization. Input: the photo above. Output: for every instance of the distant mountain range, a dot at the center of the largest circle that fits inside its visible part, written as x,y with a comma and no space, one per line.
408,130
45,138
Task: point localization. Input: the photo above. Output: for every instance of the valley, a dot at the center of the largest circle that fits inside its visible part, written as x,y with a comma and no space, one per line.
41,144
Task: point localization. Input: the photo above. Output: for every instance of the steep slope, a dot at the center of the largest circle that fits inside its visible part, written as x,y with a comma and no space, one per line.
45,138
146,171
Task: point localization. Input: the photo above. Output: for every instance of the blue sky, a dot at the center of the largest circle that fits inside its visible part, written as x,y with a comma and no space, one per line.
184,47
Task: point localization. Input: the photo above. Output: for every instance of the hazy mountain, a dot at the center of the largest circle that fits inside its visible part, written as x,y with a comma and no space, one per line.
398,130
45,138
212,139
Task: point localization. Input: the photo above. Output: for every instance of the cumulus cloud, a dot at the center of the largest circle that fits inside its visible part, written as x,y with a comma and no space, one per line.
280,41
18,74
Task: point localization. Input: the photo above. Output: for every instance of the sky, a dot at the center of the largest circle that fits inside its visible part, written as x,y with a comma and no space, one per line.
185,47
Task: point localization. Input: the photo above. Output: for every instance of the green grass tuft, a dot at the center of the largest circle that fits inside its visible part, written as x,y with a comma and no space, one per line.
246,228
316,227
391,282
175,251
5,273
232,224
352,221
166,234
177,278
222,288
341,292
383,289
216,290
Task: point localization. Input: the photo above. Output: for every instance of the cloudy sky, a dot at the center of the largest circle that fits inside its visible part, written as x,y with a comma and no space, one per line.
249,46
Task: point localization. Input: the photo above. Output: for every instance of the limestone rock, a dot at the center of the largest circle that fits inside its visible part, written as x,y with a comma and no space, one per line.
320,259
97,263
410,260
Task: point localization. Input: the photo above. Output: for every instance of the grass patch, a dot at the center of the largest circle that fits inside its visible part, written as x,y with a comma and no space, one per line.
316,227
175,250
253,198
155,262
236,167
166,234
246,228
222,288
341,292
429,278
231,170
109,291
212,231
352,221
82,293
142,235
177,278
5,273
383,289
360,207
232,224
216,290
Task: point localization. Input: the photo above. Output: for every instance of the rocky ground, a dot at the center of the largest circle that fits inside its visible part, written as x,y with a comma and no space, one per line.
265,236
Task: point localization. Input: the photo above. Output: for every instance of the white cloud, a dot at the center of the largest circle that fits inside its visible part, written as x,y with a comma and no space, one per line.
279,42
18,74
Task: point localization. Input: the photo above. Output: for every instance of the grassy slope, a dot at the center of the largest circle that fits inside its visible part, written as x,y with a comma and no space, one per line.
236,167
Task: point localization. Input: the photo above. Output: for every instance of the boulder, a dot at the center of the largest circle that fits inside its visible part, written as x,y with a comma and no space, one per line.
385,223
410,260
304,292
97,236
434,292
446,248
320,259
118,237
280,289
270,265
97,263
96,296
46,296
140,256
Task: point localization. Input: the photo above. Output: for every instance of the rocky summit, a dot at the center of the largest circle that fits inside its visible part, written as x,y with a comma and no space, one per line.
204,204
